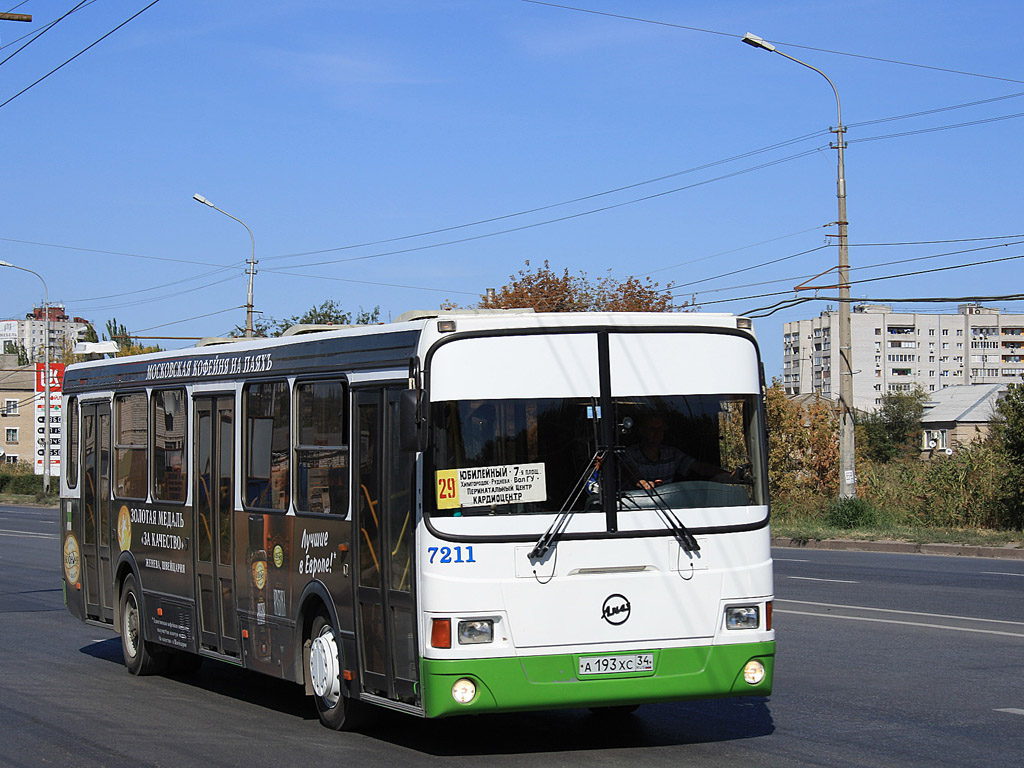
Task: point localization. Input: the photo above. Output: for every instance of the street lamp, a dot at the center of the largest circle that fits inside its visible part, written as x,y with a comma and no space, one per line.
46,373
847,475
251,269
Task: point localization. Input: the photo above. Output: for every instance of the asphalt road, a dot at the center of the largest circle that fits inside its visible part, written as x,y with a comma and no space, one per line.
882,660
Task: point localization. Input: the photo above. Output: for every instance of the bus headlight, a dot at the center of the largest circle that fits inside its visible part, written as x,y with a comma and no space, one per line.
464,690
753,672
476,631
742,617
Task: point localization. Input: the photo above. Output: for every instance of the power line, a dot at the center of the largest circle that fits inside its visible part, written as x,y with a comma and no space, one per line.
871,280
187,319
933,242
36,34
370,282
936,110
634,185
114,253
152,299
917,299
776,42
936,128
68,61
564,218
733,250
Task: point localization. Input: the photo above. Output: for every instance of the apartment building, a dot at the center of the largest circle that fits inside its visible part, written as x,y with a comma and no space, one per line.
17,411
893,351
31,332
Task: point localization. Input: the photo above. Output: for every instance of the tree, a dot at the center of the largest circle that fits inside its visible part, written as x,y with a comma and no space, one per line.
803,446
126,345
546,290
328,313
1008,435
891,430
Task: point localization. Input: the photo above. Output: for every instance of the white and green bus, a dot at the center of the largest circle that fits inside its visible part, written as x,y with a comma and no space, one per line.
455,513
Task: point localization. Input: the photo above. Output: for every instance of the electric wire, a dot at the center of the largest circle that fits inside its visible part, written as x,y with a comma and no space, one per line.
68,61
371,282
186,320
568,217
36,34
775,42
869,280
583,198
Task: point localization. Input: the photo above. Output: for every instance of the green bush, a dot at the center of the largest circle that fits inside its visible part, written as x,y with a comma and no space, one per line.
21,484
851,513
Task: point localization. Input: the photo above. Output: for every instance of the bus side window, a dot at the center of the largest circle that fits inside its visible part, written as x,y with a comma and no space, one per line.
321,452
170,460
71,454
131,429
267,444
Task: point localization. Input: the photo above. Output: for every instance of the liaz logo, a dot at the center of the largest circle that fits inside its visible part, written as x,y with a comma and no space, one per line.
615,609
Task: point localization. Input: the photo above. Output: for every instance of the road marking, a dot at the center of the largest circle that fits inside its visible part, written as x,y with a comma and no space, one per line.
28,534
904,623
1012,711
1000,573
905,613
789,560
831,581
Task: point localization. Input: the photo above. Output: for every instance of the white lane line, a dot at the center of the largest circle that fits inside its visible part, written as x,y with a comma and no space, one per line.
905,623
830,581
28,534
1012,711
903,613
1000,573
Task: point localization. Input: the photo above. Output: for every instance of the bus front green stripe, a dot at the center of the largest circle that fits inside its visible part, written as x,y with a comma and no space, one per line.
547,682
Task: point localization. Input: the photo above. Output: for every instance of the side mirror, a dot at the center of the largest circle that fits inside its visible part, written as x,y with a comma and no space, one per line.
410,436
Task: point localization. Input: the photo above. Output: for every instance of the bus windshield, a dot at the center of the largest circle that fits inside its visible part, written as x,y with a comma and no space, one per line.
531,456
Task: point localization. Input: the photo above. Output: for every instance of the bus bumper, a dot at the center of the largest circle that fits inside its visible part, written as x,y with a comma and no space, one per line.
551,682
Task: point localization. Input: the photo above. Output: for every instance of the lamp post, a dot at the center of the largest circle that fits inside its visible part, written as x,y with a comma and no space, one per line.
847,476
47,464
251,269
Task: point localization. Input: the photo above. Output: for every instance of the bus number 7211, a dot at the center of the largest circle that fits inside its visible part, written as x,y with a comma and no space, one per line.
451,554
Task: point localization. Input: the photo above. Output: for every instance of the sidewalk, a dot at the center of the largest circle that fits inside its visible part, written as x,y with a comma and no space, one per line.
904,547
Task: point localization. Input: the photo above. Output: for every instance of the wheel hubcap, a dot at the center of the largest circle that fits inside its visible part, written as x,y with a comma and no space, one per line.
324,667
131,626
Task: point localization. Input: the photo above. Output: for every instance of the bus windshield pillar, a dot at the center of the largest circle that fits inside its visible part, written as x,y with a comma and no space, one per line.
609,467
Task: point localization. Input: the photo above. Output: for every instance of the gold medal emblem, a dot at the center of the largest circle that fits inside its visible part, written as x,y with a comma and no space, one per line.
124,529
259,573
72,559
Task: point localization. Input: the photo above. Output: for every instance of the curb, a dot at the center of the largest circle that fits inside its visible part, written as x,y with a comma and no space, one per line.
1009,552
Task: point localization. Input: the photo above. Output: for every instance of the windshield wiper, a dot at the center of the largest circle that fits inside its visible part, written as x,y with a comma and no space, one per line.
673,523
557,527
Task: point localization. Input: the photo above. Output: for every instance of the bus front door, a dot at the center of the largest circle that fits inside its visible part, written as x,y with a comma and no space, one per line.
99,587
212,525
385,527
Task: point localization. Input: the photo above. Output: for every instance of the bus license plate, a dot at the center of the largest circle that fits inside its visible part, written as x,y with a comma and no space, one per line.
609,665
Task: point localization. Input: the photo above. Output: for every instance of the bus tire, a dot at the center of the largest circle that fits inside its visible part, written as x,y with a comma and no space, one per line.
336,711
140,656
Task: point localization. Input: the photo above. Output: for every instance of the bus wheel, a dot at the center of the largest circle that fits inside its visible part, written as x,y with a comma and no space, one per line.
139,655
336,711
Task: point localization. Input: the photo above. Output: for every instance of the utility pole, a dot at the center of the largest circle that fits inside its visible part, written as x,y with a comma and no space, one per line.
15,17
847,472
250,267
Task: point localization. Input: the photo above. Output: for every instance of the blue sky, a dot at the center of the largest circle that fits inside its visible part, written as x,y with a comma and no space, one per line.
328,125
